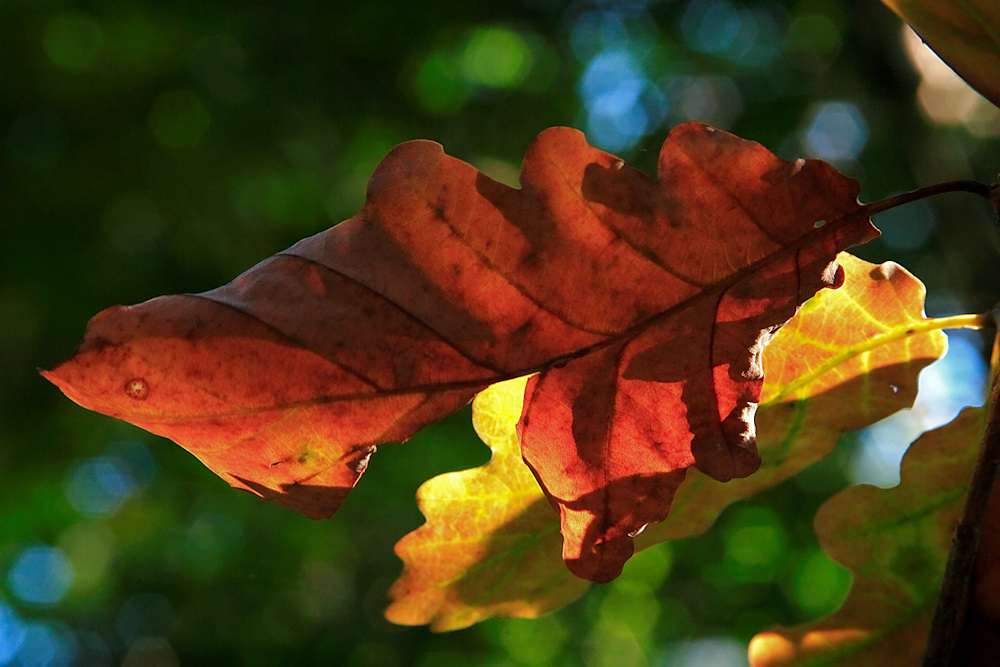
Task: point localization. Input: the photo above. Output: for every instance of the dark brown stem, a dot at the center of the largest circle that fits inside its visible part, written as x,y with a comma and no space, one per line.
949,615
975,187
994,197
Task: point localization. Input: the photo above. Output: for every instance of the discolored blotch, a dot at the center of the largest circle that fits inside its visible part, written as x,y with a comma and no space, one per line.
650,255
137,389
314,282
306,455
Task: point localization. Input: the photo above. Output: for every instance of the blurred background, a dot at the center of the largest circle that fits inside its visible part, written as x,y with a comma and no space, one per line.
151,148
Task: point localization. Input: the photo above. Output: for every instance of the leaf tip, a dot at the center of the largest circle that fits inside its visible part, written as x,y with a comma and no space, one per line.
604,562
59,377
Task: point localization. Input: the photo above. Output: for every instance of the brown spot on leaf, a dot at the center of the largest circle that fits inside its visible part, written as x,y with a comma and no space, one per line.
137,389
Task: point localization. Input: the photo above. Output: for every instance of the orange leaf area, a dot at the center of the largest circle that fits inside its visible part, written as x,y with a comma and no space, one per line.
896,542
491,543
644,306
813,391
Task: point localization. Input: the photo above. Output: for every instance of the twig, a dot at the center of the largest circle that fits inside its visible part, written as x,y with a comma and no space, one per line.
949,615
994,197
975,187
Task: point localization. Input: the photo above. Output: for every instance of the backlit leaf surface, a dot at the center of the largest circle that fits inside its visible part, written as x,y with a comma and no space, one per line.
491,544
644,305
848,358
896,542
965,33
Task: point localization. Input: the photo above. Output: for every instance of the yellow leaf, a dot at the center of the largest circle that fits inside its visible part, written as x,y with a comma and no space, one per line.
491,544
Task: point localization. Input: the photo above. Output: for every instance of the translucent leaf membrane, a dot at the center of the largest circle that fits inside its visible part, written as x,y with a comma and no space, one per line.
475,558
850,358
965,33
491,544
896,542
645,307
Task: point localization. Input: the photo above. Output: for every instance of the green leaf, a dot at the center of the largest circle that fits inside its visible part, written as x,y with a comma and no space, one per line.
896,542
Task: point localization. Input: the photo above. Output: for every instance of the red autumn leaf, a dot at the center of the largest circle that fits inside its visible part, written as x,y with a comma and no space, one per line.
645,305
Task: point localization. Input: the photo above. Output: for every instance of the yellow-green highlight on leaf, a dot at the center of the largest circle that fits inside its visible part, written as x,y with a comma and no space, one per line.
896,542
860,347
965,33
849,358
491,544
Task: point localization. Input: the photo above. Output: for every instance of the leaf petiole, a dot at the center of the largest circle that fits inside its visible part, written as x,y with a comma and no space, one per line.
974,187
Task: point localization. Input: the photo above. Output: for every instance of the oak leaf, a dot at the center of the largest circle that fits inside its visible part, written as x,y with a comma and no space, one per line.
491,545
848,358
965,33
896,542
645,305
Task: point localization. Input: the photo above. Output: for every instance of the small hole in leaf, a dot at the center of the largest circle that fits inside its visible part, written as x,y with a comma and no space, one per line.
137,389
895,388
819,223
